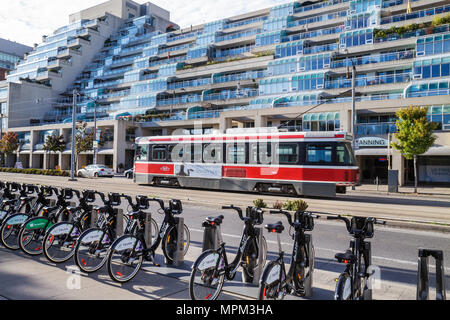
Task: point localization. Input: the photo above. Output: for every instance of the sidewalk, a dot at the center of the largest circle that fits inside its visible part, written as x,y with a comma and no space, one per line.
438,192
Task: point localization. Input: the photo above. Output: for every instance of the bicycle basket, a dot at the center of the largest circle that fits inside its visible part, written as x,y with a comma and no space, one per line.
306,221
67,193
89,196
48,191
175,206
357,223
114,199
142,202
30,188
254,214
14,187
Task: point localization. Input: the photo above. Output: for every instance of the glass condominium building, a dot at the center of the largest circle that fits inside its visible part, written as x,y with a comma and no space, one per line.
139,74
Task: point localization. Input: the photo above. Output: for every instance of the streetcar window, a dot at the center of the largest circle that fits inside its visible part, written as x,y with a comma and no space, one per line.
212,153
179,153
287,153
265,153
319,153
236,153
197,155
142,152
253,153
159,153
344,154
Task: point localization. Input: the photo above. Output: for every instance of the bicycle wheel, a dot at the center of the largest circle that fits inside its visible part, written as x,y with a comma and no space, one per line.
169,243
343,287
9,232
91,250
59,242
269,287
250,258
125,258
303,269
207,276
154,230
32,234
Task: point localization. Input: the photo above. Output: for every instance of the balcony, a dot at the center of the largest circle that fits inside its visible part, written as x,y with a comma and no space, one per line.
415,15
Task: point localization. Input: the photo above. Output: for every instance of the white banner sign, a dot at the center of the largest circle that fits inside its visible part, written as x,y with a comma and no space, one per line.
371,142
198,170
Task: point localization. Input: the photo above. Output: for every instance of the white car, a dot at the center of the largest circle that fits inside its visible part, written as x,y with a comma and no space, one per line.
95,171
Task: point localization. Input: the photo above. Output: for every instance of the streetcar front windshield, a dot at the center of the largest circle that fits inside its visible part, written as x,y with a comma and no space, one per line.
345,155
142,152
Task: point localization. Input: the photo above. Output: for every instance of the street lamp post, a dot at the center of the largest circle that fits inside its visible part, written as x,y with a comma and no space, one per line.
353,106
72,156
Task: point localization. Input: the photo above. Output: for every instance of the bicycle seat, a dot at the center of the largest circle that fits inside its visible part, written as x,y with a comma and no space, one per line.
214,220
347,257
275,227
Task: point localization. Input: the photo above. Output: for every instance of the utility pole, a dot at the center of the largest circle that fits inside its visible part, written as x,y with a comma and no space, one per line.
95,144
2,116
353,106
74,120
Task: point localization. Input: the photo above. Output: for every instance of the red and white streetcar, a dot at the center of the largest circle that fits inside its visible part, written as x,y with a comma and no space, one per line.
292,163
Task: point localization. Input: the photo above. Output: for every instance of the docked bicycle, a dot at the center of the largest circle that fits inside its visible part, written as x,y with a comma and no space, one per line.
128,252
275,283
211,268
353,283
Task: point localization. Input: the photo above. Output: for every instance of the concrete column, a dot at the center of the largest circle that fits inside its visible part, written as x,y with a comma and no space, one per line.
32,140
398,163
260,121
225,123
119,143
46,160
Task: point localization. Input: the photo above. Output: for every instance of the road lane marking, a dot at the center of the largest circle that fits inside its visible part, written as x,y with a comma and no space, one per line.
326,249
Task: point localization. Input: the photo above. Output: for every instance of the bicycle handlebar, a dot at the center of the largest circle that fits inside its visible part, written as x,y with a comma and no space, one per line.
239,210
286,213
160,201
130,201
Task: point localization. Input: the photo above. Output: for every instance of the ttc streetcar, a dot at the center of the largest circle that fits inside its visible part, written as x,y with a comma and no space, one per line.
290,163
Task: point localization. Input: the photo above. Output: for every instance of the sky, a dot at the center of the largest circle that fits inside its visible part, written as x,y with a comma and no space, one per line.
26,21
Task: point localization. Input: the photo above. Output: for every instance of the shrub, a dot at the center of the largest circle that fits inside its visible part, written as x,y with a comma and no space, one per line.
278,205
296,205
51,172
259,203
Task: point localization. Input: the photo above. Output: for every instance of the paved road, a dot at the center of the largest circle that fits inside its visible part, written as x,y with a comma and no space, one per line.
432,210
394,251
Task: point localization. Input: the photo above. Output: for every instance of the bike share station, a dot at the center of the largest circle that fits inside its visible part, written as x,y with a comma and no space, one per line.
241,284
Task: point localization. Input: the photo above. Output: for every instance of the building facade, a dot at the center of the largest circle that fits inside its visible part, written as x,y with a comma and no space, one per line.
140,74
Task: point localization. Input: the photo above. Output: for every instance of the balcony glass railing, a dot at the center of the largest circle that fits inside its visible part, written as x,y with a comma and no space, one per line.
415,15
238,35
226,95
318,5
244,22
376,58
190,83
325,17
368,81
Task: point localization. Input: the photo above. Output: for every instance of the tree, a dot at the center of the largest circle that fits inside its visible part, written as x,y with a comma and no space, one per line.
9,143
54,143
83,140
415,134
